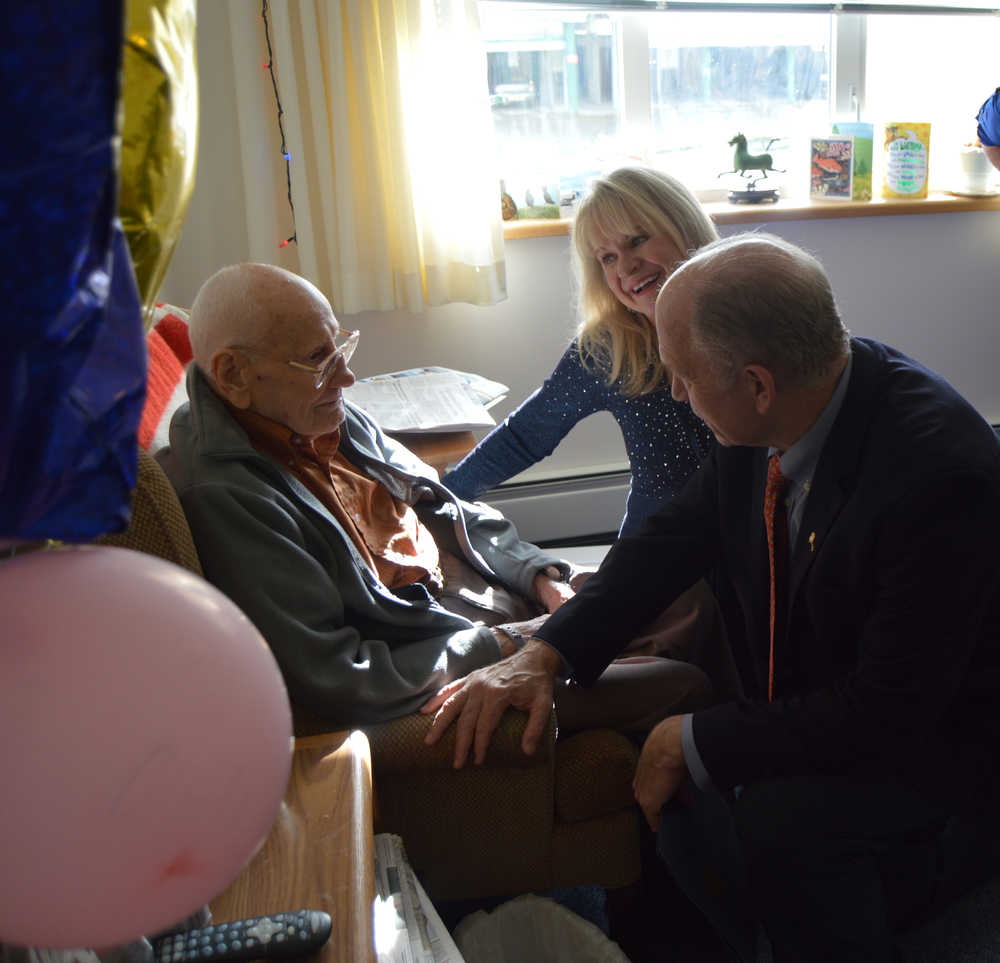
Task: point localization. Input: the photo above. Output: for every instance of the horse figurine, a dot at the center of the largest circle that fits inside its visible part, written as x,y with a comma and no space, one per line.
743,162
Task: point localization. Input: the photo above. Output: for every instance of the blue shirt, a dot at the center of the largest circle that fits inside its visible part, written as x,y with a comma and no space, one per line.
798,463
664,440
989,121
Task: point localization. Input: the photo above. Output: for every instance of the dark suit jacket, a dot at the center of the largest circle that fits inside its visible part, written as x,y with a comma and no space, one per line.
891,657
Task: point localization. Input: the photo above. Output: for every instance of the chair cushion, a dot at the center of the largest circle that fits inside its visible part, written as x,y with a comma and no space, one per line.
593,775
477,832
158,525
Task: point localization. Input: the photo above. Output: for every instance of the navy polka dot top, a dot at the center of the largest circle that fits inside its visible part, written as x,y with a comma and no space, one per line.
664,440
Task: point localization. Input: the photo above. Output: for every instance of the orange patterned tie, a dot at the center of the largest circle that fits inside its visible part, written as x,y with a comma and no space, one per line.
776,524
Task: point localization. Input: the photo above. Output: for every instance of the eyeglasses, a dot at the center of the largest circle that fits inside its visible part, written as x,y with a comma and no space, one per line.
342,352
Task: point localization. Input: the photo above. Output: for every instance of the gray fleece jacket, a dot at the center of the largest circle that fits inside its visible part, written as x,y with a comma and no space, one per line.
350,649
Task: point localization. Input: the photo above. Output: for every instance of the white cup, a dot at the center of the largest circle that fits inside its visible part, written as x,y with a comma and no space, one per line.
975,170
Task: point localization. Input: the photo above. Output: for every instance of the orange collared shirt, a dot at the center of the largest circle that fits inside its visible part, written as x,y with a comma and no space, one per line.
386,531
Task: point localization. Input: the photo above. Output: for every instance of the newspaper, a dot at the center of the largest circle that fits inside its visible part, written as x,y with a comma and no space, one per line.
427,399
407,927
479,389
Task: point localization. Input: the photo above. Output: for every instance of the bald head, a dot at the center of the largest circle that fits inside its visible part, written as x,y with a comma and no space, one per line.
266,341
252,305
756,299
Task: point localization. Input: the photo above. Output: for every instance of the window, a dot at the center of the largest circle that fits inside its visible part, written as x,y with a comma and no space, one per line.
555,99
577,91
764,75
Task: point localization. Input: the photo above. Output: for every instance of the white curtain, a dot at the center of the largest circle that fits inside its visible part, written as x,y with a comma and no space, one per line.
387,119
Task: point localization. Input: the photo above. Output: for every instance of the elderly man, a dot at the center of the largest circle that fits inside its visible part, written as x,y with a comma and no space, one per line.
854,503
371,583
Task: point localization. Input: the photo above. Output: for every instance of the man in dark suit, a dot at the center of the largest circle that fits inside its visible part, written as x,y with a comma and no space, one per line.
814,808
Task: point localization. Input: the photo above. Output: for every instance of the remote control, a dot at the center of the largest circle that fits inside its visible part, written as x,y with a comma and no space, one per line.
277,935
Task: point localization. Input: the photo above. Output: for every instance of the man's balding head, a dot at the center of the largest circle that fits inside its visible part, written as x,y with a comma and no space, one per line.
249,305
266,340
757,299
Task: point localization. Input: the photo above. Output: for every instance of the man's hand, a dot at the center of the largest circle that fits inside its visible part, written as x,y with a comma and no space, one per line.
661,770
551,592
510,635
579,576
525,680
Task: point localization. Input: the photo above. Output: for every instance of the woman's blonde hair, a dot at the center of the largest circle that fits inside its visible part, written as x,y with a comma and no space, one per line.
628,201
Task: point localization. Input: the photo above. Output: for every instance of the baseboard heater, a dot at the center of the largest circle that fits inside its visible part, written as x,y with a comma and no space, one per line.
577,510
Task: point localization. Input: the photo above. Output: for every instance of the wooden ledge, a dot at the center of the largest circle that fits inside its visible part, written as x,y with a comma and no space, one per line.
722,212
438,448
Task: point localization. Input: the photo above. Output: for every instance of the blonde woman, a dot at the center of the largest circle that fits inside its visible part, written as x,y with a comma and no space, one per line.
632,230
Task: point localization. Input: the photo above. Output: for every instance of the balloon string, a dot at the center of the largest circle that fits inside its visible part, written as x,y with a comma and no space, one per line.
281,127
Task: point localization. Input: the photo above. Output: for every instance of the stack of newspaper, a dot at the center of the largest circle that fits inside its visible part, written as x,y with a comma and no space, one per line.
407,927
428,399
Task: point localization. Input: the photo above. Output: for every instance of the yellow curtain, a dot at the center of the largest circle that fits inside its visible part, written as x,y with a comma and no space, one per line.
393,169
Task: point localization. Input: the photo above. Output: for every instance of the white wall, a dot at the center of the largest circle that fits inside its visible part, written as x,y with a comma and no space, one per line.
928,284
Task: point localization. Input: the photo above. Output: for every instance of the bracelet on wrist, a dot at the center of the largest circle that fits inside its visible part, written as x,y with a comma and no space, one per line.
518,638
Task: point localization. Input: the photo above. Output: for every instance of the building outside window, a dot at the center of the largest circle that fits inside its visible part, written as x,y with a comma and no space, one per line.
577,91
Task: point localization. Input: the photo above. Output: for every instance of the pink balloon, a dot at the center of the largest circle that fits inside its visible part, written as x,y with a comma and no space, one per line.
145,744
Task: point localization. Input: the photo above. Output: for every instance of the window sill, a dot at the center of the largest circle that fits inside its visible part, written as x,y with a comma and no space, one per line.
722,212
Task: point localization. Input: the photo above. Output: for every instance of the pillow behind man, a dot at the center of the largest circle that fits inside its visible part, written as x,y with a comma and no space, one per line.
169,349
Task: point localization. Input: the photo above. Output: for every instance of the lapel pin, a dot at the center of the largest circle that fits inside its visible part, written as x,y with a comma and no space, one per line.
812,541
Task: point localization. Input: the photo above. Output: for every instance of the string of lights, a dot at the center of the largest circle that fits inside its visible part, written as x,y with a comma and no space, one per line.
269,66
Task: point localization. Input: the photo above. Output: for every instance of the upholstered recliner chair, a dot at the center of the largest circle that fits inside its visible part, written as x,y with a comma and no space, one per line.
562,817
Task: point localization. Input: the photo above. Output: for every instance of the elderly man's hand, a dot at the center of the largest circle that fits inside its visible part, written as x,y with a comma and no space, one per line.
551,592
661,771
525,680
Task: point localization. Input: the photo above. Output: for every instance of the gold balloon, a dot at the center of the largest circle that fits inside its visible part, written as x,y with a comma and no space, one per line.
159,135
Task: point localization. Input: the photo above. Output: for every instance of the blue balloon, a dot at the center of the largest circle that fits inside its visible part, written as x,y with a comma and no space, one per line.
73,365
